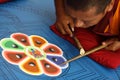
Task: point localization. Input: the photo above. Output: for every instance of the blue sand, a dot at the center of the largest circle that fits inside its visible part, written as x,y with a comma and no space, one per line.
33,17
57,60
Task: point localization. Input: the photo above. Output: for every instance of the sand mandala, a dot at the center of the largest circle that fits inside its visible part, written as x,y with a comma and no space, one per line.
33,54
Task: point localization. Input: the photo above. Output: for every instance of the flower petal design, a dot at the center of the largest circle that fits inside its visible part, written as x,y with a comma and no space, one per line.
52,49
31,66
58,60
37,41
21,38
50,68
9,44
14,57
33,54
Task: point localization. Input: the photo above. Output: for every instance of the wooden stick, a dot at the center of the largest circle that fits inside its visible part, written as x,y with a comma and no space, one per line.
87,53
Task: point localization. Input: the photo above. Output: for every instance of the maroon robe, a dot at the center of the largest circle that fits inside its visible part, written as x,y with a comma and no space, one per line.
90,39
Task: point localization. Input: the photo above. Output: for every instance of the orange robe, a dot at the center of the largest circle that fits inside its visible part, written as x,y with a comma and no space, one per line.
110,24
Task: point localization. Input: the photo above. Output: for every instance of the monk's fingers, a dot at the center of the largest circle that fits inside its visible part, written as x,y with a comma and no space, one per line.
60,28
71,25
68,30
113,47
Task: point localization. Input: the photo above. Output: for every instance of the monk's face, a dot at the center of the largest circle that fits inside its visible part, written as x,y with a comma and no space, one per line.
84,19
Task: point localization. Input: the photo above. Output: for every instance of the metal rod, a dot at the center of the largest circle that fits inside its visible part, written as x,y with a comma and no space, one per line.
77,42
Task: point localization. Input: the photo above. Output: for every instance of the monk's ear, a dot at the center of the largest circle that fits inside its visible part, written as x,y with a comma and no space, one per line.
110,6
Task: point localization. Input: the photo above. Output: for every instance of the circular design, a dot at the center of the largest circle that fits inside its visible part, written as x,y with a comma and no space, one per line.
33,54
54,59
23,40
38,42
51,49
18,56
31,64
47,65
14,46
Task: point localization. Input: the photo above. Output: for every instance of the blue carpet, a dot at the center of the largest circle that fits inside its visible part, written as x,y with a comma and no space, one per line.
35,17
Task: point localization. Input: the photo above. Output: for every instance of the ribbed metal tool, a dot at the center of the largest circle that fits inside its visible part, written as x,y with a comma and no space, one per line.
82,51
87,53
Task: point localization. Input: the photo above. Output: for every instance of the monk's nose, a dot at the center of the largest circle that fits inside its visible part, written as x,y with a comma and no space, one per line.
79,23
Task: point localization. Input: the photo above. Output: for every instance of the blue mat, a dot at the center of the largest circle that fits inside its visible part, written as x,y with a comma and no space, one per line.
35,17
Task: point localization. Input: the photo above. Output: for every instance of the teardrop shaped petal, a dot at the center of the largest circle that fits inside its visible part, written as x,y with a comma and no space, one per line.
52,49
49,68
37,41
21,38
58,60
31,66
13,57
10,44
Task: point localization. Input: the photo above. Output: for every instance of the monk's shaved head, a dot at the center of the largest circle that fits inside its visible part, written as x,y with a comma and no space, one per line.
84,5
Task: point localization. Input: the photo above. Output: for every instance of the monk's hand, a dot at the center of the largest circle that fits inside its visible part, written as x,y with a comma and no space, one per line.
64,24
114,44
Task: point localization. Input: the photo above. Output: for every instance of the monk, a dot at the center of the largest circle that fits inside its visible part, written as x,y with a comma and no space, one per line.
93,22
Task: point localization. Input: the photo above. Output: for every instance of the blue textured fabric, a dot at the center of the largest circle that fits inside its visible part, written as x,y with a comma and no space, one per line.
33,17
